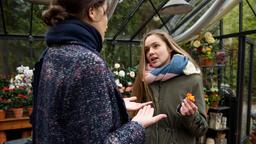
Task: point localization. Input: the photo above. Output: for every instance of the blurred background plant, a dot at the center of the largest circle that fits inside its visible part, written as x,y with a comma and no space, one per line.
204,45
212,96
124,78
21,88
17,92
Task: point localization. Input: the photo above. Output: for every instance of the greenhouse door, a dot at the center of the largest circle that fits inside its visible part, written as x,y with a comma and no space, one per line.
247,93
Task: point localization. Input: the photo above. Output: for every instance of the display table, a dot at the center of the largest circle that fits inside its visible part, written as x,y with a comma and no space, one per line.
13,124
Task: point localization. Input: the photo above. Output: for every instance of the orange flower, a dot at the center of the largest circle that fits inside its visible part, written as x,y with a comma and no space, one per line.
190,97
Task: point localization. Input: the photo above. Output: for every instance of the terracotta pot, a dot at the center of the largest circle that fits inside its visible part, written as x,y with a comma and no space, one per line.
18,112
2,137
205,61
2,114
221,57
214,104
29,110
26,134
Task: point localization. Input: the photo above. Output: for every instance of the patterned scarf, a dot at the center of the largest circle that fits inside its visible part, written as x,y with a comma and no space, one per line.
178,65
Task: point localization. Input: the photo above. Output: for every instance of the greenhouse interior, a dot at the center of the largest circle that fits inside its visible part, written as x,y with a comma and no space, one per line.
219,34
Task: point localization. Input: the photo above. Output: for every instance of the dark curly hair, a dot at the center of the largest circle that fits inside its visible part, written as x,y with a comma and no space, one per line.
60,10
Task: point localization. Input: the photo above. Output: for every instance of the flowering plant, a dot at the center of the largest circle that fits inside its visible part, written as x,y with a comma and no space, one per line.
23,79
20,88
204,45
124,78
212,95
4,94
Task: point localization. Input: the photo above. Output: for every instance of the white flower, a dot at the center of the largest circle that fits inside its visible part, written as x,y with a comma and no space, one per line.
20,69
117,81
210,40
28,73
208,35
132,74
121,73
115,72
19,77
129,83
196,43
120,1
117,65
23,78
11,86
156,18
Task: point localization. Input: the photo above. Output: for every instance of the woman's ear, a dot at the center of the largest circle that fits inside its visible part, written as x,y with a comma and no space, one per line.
94,15
170,50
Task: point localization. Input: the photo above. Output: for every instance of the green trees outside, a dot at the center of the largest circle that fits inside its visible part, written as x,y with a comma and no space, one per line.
26,50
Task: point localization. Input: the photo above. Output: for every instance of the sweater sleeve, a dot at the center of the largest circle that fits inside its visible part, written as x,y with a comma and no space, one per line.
197,123
96,118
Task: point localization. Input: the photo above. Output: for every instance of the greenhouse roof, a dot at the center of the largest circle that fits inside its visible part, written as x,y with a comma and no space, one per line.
21,19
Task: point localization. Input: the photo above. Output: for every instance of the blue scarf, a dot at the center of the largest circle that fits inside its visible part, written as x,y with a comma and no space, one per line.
74,30
178,65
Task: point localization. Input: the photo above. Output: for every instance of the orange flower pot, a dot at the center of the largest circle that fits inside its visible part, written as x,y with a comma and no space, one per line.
2,114
18,112
29,110
2,137
205,61
214,104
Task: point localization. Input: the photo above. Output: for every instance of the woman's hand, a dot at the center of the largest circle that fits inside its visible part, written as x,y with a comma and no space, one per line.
188,108
133,106
145,116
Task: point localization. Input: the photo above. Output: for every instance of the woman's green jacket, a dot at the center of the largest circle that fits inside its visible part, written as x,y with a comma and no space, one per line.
167,97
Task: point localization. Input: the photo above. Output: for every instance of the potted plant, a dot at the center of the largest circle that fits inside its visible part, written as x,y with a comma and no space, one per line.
221,57
203,47
17,101
207,103
4,102
3,108
28,103
124,78
213,96
20,87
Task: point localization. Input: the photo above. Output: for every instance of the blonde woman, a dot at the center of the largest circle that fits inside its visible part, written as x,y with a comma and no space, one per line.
167,74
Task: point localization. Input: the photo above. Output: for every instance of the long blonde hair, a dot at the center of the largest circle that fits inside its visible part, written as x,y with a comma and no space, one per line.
140,88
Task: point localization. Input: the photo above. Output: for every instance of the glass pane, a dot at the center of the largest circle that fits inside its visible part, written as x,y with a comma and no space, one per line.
231,19
249,19
16,14
245,91
125,7
38,26
230,46
177,23
138,20
1,26
18,52
125,54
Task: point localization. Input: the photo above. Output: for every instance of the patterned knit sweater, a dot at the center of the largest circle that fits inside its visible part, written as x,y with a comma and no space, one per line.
77,101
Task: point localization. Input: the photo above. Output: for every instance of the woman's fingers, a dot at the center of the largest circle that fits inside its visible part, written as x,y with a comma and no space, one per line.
146,103
188,108
145,116
133,98
159,117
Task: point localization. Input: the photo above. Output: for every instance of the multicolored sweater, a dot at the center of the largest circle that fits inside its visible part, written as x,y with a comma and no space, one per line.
75,97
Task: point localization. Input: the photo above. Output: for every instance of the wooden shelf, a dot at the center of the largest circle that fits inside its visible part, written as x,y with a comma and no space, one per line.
14,123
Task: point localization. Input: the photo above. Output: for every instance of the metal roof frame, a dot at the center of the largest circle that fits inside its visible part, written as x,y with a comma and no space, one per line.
113,40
